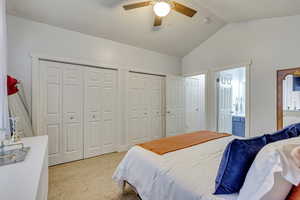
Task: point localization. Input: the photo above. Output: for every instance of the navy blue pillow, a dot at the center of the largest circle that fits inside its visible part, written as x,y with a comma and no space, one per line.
237,160
286,133
239,156
294,130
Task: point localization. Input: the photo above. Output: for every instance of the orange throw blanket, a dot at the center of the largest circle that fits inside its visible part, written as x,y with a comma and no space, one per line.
174,143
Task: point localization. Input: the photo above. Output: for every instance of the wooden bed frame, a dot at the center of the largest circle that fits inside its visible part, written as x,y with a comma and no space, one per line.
132,187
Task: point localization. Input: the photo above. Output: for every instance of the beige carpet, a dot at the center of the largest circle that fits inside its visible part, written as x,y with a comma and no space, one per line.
87,180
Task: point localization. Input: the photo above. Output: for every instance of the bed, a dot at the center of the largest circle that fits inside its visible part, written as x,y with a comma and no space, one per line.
186,174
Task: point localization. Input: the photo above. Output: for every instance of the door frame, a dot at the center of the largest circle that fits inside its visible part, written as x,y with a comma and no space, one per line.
281,74
213,100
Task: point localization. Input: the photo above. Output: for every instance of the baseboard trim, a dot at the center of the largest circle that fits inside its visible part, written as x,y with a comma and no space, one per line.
123,148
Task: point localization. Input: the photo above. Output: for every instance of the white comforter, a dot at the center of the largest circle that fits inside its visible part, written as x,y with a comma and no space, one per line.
187,174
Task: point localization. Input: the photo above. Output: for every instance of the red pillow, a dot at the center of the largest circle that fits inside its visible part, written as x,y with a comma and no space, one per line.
294,194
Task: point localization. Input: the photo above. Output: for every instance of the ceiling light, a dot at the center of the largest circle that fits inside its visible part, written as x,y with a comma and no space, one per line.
162,8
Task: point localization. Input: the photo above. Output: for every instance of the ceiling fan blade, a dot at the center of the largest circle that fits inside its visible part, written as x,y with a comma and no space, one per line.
137,5
183,9
157,21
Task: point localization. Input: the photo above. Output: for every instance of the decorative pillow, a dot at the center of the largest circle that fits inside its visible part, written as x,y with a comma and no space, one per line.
286,133
273,172
236,161
294,130
280,189
279,135
240,154
294,194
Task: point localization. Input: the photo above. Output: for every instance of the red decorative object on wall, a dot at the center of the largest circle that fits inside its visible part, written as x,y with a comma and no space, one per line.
12,85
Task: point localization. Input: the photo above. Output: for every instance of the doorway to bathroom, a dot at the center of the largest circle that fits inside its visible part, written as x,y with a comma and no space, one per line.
231,99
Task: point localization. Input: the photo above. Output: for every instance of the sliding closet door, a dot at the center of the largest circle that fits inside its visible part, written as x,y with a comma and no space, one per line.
61,110
100,111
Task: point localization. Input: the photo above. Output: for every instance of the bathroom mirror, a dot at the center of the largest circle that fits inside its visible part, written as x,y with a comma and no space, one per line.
288,97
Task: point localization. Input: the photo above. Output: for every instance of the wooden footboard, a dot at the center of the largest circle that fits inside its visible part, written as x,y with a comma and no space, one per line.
174,143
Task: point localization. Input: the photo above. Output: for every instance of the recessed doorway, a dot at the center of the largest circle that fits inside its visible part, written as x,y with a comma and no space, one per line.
195,103
231,100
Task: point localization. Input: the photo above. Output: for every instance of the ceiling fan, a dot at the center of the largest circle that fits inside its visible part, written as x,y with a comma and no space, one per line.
162,8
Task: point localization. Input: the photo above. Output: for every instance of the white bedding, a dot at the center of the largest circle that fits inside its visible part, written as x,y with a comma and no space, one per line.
186,174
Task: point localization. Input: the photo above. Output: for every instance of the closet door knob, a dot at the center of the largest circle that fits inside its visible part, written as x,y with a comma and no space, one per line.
94,116
71,118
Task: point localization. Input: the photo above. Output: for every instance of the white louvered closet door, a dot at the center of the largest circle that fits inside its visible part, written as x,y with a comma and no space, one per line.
145,107
61,110
100,111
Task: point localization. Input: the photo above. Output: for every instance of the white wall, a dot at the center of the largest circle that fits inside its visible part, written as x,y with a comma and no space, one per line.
25,37
270,43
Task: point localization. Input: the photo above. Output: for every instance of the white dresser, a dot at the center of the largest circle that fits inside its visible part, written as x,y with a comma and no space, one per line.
27,180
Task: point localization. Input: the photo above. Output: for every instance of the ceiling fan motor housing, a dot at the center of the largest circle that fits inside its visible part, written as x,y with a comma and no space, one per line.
162,8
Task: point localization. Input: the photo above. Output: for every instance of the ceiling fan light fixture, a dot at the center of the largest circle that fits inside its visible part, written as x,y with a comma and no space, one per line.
161,8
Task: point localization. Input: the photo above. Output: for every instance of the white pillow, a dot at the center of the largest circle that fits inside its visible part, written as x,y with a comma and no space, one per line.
272,173
281,188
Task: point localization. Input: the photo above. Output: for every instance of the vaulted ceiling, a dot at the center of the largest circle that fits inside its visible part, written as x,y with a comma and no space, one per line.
178,35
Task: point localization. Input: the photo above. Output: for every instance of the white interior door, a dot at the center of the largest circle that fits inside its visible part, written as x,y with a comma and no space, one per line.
138,101
194,104
109,97
224,95
51,113
175,105
156,92
72,106
93,125
145,107
100,119
62,108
